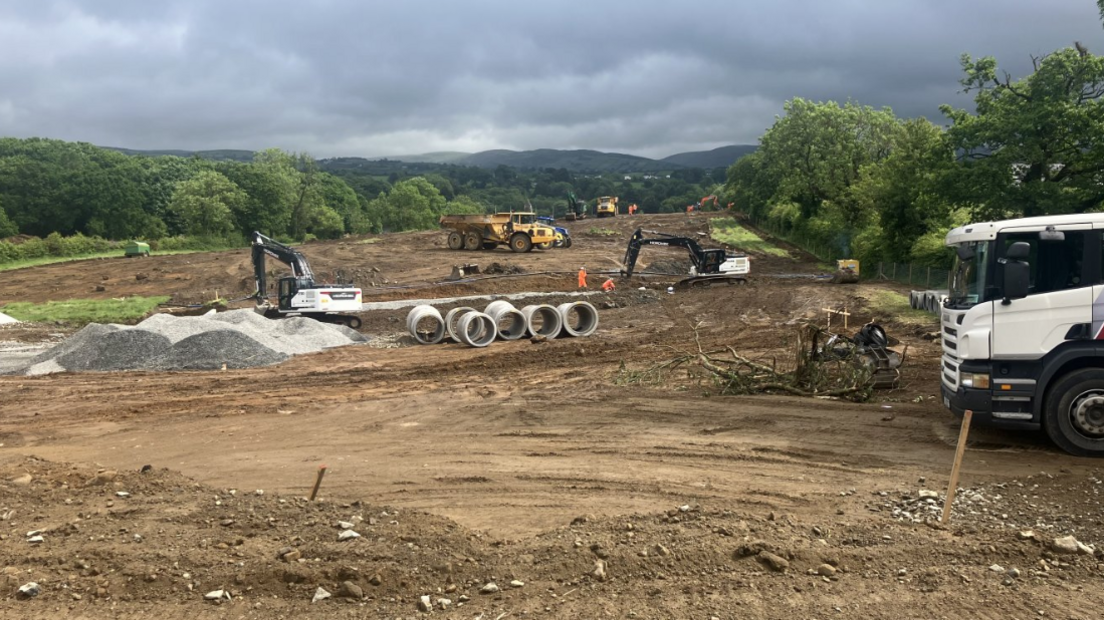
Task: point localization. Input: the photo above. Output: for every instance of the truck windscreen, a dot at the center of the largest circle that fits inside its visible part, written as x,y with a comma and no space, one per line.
968,276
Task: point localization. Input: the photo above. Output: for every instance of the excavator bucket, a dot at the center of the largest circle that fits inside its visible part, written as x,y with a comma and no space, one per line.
847,272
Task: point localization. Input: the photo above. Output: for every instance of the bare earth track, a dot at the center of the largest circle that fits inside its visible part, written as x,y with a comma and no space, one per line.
519,461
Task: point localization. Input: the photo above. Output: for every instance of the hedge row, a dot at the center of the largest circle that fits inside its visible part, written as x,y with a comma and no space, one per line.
79,245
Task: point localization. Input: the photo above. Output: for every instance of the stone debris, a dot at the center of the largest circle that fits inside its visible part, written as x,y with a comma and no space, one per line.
234,339
320,595
425,604
489,588
517,583
217,595
29,590
774,562
347,535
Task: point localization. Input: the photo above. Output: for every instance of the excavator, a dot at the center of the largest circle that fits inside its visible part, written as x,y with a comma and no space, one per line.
709,266
299,294
576,209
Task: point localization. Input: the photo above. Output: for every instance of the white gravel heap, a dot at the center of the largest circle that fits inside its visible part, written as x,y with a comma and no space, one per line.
6,320
238,339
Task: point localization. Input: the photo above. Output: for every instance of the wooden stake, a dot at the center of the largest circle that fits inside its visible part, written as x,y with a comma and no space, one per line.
318,482
953,487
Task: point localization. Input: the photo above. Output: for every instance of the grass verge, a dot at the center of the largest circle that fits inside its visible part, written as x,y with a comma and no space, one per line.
49,260
896,306
124,310
605,232
727,231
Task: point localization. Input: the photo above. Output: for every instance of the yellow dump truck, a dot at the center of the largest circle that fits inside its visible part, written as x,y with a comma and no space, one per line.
519,230
607,206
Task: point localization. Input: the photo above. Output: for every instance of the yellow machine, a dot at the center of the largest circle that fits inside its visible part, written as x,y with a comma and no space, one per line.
847,271
519,230
607,206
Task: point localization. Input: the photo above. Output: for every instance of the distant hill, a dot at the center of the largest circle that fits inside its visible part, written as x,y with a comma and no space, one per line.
440,157
717,158
214,155
579,161
573,161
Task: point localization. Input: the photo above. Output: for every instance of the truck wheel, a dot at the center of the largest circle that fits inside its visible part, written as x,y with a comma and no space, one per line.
521,242
455,241
472,241
1074,412
544,246
567,243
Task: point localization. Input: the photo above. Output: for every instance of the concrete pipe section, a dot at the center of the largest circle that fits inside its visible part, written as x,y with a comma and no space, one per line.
452,318
476,329
425,324
542,320
579,318
510,321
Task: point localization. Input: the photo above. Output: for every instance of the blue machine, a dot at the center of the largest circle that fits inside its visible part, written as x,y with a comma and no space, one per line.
563,238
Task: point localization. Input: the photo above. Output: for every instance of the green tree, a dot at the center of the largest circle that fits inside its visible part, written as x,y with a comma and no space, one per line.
7,227
206,203
412,204
462,205
1036,145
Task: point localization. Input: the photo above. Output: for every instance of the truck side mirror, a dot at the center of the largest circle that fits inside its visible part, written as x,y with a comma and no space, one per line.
1017,273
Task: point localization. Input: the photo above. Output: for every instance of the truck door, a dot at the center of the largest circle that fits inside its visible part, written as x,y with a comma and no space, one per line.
1059,298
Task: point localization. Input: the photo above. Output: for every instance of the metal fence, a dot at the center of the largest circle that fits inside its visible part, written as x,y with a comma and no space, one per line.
921,277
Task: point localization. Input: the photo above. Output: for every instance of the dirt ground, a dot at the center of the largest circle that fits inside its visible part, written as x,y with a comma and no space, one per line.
531,462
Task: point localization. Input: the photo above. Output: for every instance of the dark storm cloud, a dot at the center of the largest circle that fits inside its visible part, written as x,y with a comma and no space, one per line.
348,77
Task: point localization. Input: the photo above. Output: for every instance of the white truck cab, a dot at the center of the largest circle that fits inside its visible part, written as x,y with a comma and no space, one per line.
1022,327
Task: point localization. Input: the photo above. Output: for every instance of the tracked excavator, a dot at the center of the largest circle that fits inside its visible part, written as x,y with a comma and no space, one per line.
299,294
709,266
576,209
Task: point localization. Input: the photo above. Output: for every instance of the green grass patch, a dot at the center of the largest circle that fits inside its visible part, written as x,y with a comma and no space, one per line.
49,260
727,231
372,240
605,232
895,306
126,310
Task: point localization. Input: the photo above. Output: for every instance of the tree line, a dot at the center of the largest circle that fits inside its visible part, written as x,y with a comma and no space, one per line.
876,187
64,188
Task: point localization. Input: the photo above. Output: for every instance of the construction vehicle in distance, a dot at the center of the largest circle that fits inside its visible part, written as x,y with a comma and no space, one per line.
299,294
1022,327
701,203
607,206
518,230
563,236
576,209
136,248
709,266
847,271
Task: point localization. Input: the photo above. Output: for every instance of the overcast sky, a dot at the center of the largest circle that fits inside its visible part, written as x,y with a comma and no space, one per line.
372,78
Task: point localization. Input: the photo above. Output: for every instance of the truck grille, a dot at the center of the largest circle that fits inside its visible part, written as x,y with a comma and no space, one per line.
950,350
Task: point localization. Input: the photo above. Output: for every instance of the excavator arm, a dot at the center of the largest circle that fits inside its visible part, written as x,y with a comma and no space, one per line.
638,240
262,246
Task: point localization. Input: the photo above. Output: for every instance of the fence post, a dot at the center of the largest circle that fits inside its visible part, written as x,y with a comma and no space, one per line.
910,274
928,282
894,276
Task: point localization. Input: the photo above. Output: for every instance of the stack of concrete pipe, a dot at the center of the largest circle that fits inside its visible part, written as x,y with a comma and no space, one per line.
932,301
500,320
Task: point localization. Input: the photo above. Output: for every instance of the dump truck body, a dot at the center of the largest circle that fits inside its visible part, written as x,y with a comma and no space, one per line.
518,230
607,206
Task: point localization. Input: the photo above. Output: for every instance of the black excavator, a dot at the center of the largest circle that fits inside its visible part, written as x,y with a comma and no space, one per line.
299,294
714,265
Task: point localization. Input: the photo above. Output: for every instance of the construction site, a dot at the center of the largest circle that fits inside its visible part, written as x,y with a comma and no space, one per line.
695,453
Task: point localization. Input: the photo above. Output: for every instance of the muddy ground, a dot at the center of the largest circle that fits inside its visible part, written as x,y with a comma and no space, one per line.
521,461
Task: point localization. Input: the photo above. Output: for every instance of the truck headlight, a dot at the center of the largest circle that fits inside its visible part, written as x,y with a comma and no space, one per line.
976,380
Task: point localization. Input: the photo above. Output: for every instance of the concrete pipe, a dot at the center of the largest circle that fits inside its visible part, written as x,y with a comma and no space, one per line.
425,324
511,322
452,317
542,320
476,329
579,318
912,300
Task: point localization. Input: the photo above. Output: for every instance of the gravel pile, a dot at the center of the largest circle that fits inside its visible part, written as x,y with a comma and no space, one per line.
7,320
238,339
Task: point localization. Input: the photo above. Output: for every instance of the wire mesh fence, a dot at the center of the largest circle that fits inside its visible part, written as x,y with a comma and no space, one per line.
921,277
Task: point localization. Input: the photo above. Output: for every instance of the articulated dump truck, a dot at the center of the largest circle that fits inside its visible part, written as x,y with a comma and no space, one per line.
518,230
